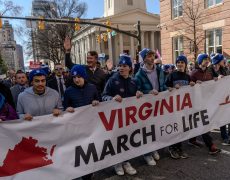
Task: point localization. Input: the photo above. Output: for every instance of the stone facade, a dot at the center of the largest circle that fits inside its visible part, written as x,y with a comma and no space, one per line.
124,19
8,46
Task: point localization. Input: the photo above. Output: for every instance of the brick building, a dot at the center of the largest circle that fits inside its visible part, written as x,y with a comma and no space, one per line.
211,26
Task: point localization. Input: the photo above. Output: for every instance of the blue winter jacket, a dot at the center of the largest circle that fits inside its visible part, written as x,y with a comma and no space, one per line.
117,85
143,83
76,96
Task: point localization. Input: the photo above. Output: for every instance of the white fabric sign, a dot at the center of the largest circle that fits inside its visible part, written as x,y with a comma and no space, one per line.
94,138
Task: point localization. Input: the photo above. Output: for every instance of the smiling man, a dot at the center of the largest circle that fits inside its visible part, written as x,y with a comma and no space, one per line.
95,75
38,100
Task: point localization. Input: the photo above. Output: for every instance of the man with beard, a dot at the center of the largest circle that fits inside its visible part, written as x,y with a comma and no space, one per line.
20,86
38,100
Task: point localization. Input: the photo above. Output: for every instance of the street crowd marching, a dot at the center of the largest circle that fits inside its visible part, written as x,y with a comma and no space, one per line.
41,92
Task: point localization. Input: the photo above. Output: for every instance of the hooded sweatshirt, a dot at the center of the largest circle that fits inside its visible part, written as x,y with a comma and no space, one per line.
152,75
38,105
143,80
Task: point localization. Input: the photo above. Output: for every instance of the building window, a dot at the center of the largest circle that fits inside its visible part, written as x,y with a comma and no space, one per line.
130,2
210,3
214,41
177,47
177,8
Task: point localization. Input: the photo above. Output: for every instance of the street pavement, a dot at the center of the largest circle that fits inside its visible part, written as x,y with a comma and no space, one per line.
199,166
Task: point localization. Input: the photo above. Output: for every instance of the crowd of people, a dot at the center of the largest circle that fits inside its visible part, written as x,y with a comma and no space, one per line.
38,93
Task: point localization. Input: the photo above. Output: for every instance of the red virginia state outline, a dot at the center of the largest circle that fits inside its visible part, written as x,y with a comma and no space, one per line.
25,156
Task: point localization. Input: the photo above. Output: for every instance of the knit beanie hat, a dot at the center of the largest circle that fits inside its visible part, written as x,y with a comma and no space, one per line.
166,67
79,70
217,58
46,68
125,60
182,58
172,66
144,52
201,57
36,72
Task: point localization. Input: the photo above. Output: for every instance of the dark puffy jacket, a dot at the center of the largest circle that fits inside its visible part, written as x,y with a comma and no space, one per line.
144,84
117,85
97,77
80,96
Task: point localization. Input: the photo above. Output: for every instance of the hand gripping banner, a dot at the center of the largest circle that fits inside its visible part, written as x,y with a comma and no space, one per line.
93,138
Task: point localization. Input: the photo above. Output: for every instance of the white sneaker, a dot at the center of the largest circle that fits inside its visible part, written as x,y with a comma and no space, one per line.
156,155
149,160
129,169
119,169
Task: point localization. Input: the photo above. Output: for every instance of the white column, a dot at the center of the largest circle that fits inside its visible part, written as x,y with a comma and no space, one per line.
85,50
152,40
102,46
121,43
110,47
88,47
93,42
82,51
98,46
132,48
143,39
77,52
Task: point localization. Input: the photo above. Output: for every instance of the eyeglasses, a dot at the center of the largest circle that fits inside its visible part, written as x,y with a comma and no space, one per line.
57,69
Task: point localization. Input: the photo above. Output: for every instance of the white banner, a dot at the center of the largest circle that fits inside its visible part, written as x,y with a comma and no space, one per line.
94,138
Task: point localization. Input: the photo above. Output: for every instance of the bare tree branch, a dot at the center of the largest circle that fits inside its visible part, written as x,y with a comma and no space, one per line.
191,24
49,42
